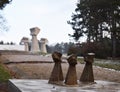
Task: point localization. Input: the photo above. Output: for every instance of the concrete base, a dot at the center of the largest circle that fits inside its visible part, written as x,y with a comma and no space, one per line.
34,85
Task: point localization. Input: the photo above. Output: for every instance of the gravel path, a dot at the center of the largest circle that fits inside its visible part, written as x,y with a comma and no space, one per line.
28,58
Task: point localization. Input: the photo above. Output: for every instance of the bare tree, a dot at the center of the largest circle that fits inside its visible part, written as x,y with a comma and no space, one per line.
3,26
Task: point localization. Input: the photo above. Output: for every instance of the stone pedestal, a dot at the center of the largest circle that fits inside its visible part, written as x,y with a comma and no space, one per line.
43,42
87,74
57,74
25,40
34,45
71,77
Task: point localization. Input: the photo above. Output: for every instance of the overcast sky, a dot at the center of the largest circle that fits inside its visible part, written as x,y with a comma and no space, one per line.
50,16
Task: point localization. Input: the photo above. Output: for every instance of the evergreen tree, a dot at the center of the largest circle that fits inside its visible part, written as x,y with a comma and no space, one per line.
94,18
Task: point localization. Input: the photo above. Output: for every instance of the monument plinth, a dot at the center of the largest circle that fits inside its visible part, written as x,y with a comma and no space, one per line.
87,74
34,45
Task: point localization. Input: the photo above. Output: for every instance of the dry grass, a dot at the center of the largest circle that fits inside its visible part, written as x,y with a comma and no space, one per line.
43,71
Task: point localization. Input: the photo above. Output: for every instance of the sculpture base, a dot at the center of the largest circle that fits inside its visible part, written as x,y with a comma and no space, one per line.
35,85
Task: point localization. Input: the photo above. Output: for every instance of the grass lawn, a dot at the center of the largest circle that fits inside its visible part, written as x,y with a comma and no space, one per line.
110,66
104,65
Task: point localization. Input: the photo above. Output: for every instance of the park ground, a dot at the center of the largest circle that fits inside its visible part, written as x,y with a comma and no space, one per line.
41,70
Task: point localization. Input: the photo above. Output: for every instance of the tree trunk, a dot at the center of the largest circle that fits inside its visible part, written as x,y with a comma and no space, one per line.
113,45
